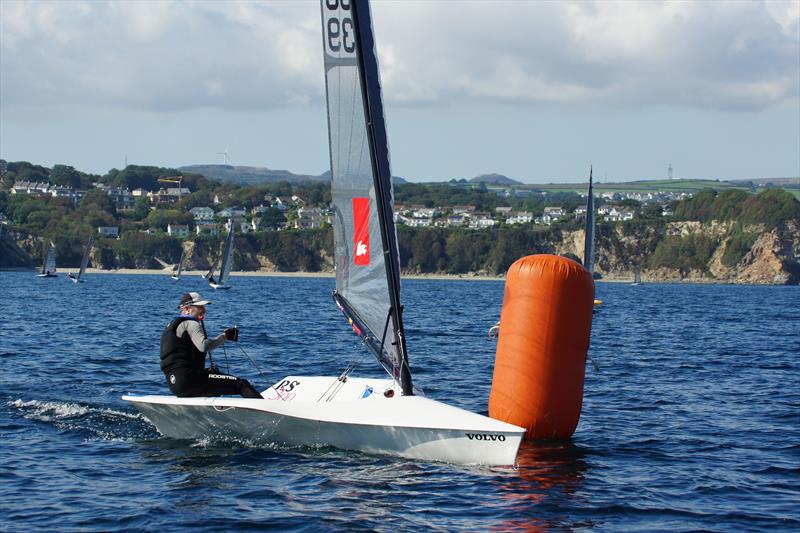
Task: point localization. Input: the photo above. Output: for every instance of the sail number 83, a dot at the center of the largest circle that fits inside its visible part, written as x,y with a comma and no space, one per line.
340,31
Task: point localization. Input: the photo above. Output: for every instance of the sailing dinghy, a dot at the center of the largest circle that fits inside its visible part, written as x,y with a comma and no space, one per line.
177,275
84,263
227,262
382,416
49,263
637,276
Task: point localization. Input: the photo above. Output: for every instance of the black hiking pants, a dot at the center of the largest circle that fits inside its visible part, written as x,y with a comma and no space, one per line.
188,383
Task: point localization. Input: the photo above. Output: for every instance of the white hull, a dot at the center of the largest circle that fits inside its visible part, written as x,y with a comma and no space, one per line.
295,413
220,287
46,276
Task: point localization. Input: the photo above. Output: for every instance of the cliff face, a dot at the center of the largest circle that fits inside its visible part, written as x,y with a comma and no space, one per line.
773,258
16,252
760,255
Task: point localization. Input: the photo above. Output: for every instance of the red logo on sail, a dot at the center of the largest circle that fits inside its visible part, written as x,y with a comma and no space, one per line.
361,231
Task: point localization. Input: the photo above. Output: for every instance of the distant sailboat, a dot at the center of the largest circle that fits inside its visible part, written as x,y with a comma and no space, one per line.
84,262
177,275
637,276
227,262
588,243
49,263
209,276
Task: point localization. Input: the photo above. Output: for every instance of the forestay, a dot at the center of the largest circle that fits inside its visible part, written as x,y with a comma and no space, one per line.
365,243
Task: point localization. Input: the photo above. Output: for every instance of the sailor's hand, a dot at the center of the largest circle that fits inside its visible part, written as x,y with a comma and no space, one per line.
232,334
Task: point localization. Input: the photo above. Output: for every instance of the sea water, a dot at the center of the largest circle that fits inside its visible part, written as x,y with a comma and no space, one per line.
691,418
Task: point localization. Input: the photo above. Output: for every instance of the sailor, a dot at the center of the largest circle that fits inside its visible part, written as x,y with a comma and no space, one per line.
184,345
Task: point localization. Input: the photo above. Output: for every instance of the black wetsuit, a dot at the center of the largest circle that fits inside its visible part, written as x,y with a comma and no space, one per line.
183,364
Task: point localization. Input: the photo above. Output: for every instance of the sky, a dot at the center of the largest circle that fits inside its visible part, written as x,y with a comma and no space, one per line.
535,90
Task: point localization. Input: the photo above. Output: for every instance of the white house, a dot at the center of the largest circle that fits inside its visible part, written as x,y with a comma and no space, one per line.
554,212
202,213
178,191
178,230
426,212
521,217
481,221
418,222
463,209
311,218
205,227
230,212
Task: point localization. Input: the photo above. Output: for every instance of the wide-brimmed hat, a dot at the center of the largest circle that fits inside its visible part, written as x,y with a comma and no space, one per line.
192,298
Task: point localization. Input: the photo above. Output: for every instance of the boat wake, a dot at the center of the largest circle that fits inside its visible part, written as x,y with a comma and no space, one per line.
95,421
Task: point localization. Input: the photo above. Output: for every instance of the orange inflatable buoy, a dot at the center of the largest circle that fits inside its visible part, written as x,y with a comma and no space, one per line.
542,346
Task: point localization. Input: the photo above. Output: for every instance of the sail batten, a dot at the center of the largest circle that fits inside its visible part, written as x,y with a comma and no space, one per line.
365,242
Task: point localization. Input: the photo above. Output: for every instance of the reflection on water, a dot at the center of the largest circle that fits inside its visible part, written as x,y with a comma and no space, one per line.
549,475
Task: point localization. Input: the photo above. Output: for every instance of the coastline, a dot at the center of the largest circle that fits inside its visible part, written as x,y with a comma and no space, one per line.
439,276
262,273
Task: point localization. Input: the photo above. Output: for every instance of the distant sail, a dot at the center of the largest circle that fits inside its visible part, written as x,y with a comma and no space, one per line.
210,274
367,278
49,265
180,264
227,258
85,258
588,244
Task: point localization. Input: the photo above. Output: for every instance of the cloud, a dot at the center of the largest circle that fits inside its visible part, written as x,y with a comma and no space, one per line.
724,55
165,56
159,56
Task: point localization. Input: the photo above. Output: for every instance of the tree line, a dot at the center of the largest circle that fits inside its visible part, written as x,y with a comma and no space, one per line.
644,240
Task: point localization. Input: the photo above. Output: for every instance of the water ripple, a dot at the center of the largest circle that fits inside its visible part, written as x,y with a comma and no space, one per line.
690,423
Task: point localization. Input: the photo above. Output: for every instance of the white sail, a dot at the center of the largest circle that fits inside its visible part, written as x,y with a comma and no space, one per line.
49,264
367,278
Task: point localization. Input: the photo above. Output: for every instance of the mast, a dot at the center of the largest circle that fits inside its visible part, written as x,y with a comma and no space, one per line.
379,152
